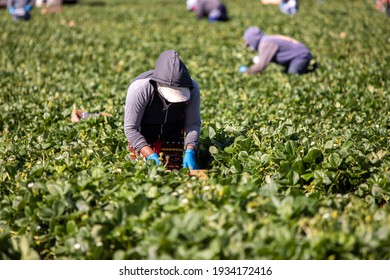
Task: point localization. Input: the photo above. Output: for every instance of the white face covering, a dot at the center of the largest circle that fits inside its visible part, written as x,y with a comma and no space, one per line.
174,94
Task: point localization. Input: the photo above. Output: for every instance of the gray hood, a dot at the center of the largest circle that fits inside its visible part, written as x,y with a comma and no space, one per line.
253,36
170,70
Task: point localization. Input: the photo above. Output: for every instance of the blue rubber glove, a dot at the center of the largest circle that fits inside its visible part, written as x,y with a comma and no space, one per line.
243,68
189,159
11,10
27,8
154,157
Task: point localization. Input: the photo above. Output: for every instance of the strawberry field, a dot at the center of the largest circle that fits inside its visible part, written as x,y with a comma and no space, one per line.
298,166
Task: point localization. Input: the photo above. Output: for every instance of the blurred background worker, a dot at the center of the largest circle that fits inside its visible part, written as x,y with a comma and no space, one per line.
214,10
292,55
289,7
20,9
163,106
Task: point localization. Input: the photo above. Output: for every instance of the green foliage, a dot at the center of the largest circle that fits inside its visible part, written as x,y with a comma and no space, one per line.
299,167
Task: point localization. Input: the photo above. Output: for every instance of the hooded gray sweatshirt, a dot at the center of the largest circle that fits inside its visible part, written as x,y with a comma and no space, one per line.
148,116
274,48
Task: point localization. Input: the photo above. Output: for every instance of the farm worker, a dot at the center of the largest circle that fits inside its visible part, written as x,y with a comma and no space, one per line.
283,50
214,10
289,7
162,114
20,9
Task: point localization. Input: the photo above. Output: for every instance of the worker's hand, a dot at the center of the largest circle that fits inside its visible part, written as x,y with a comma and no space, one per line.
154,157
243,69
11,10
27,8
189,159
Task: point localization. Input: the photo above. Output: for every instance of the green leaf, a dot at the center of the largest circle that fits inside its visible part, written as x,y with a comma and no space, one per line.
290,147
284,167
237,165
230,150
37,171
59,208
257,140
293,177
297,166
60,168
71,227
45,213
328,145
23,222
264,159
27,252
17,203
213,150
55,190
152,192
313,156
171,207
212,132
307,176
82,205
335,160
97,172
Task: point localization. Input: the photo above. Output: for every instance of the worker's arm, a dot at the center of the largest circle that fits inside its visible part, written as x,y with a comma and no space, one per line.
267,51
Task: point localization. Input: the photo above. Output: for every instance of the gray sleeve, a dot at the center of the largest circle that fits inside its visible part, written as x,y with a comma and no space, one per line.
267,50
192,118
138,95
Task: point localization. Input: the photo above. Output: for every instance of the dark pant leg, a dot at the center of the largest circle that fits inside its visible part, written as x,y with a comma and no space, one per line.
298,65
27,16
218,14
